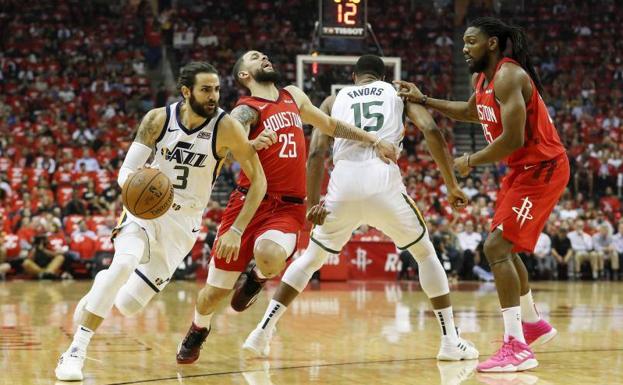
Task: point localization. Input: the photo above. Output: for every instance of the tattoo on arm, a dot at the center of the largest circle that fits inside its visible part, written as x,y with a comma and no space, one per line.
246,115
148,130
346,132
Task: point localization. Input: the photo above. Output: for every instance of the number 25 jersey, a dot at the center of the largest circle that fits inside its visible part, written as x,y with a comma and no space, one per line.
284,161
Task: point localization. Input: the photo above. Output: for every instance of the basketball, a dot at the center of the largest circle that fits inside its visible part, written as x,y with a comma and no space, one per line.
147,193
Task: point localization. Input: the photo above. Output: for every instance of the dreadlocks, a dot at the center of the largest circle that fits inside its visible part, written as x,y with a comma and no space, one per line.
505,32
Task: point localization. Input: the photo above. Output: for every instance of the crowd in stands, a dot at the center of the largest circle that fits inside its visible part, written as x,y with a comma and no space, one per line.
74,84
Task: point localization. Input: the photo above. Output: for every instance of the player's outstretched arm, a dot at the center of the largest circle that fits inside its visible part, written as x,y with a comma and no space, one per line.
508,85
140,150
438,147
461,111
231,137
338,129
318,148
248,117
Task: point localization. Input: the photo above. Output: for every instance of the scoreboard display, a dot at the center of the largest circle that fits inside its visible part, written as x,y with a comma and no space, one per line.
343,18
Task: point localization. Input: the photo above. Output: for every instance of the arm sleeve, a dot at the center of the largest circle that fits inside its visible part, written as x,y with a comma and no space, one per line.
136,157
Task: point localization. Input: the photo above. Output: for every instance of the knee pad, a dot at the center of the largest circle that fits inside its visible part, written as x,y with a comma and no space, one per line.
432,276
127,304
132,239
300,271
107,285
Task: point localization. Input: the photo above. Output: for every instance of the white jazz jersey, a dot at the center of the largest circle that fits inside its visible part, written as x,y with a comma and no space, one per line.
376,108
188,158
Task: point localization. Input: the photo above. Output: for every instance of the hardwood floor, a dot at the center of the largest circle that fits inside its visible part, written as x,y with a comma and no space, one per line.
334,333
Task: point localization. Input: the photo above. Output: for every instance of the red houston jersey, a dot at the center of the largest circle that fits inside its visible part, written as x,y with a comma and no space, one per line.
284,161
541,139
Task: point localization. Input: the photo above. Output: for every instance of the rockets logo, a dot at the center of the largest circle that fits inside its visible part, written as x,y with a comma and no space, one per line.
523,212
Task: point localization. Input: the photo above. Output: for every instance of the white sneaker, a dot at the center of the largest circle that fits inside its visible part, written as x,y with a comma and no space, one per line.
258,342
456,350
69,367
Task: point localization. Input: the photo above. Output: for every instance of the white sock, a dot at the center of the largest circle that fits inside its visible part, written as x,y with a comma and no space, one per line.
528,308
82,337
201,320
446,322
512,323
274,311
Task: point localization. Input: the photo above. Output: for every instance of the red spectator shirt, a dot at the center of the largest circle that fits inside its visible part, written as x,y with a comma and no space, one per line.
11,244
541,139
57,242
284,161
84,243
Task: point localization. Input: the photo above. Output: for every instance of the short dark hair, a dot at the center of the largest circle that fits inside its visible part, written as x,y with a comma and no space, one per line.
371,65
189,72
236,69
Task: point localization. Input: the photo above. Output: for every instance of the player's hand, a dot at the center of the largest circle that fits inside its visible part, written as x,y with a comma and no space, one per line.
460,164
317,214
457,198
409,91
228,246
386,151
264,140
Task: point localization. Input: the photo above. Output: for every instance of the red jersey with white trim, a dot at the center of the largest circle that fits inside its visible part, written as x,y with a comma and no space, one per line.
541,138
284,161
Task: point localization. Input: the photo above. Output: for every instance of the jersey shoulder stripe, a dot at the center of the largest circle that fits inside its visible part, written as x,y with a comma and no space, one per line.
166,123
214,136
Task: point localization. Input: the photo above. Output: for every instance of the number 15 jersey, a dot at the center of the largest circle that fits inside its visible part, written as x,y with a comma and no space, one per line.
374,107
284,161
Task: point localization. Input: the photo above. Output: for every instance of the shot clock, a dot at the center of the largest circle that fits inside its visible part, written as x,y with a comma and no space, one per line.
343,18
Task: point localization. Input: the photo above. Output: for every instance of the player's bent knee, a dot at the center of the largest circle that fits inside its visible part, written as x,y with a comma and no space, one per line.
270,268
299,273
270,257
493,250
127,304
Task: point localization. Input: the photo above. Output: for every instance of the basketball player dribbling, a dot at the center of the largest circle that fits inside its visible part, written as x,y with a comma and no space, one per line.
189,139
271,236
364,190
518,129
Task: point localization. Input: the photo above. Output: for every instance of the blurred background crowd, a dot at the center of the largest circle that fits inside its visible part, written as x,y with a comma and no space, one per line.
76,77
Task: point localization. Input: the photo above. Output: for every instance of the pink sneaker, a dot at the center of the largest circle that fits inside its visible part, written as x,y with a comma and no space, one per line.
513,356
538,333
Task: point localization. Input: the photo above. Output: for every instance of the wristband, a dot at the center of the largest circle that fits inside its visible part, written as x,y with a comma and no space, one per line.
236,230
424,100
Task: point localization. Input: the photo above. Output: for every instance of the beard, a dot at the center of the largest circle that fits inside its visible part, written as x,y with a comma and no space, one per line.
262,76
480,65
201,109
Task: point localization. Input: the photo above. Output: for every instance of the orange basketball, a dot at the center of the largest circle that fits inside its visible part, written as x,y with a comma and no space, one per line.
147,193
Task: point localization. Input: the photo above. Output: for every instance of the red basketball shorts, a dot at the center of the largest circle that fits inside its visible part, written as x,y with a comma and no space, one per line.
273,214
526,199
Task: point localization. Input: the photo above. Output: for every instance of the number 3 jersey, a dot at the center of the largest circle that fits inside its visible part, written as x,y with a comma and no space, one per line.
284,161
374,107
188,158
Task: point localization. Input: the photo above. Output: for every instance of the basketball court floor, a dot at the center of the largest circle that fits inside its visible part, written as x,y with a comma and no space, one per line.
335,333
